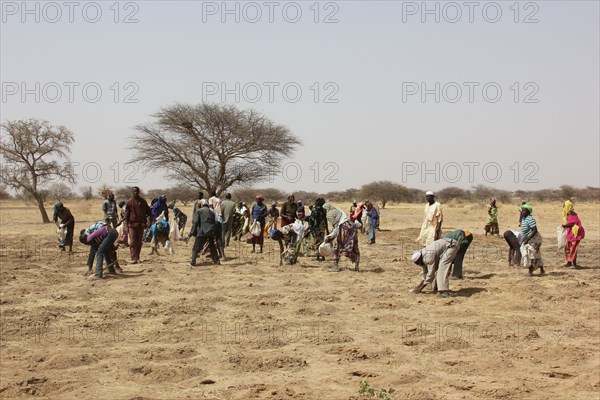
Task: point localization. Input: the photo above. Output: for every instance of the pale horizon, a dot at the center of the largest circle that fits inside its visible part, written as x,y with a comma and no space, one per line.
370,106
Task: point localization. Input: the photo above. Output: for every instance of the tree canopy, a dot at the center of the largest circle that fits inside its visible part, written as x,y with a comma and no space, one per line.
212,146
32,151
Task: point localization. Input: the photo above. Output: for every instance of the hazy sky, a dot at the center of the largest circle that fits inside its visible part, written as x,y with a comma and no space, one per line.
516,84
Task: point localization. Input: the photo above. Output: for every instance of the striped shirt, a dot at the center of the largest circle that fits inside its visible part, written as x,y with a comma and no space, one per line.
527,225
92,228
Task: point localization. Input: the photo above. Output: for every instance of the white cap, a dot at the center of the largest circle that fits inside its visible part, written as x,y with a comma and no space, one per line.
416,255
429,193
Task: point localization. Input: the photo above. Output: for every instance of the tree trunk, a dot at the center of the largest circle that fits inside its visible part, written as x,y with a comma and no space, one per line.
40,202
383,203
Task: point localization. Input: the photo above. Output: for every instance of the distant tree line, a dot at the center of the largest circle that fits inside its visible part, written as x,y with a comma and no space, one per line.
206,147
381,192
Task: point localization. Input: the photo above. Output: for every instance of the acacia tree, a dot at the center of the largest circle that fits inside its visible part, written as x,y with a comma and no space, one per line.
31,151
384,191
212,146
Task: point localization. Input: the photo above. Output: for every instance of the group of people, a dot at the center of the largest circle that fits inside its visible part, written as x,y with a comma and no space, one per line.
442,257
525,243
136,220
367,213
324,231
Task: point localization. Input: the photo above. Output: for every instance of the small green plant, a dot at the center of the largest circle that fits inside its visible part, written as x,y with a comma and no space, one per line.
366,390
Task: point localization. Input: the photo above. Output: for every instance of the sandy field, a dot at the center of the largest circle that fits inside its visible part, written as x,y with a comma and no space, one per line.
249,329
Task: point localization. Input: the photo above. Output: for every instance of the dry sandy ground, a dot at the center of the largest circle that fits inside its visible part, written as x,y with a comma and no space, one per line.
251,330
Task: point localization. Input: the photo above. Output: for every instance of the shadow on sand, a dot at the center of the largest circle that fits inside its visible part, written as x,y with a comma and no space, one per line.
468,292
485,276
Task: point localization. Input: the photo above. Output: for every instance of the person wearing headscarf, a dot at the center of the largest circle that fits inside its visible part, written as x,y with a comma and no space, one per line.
357,214
492,224
160,206
575,233
259,213
66,221
532,241
431,229
520,213
373,216
567,206
378,220
345,232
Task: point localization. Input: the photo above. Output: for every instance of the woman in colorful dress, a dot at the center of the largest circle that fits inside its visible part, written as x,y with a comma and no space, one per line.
575,233
346,234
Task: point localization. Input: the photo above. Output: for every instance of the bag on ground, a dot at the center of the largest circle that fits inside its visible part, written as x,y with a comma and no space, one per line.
326,249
